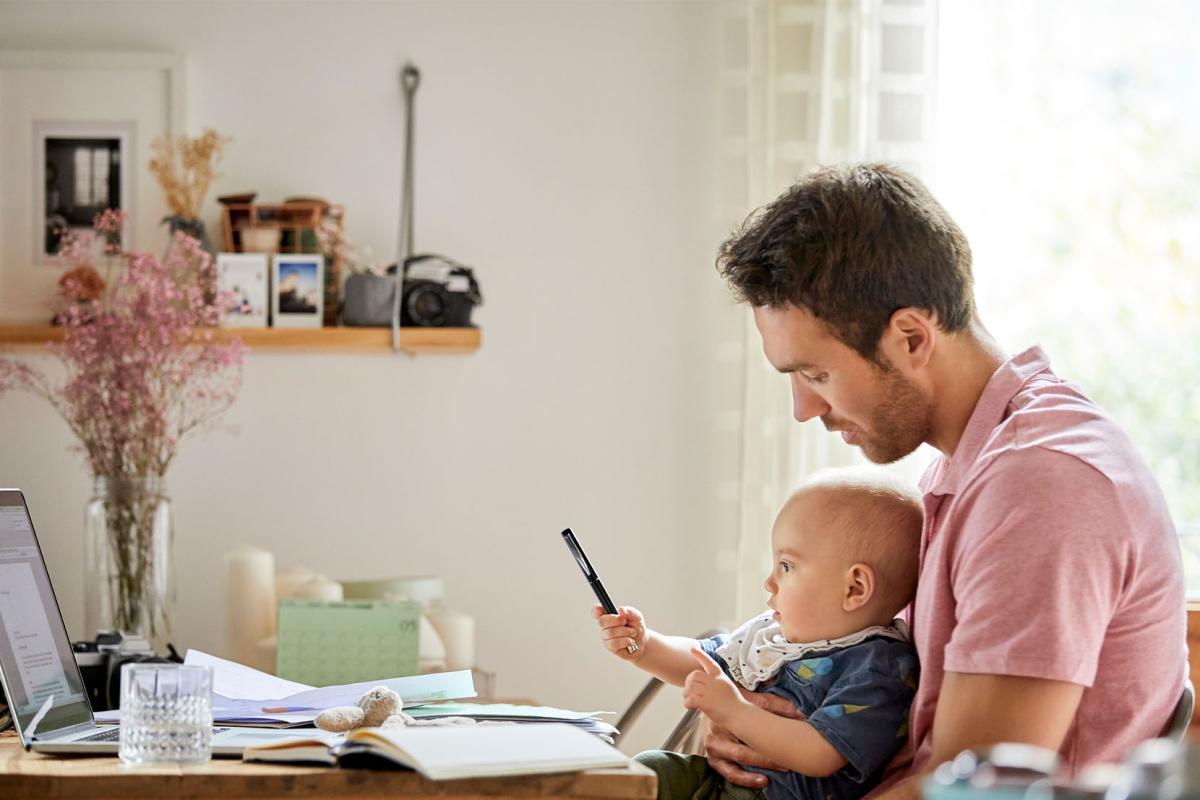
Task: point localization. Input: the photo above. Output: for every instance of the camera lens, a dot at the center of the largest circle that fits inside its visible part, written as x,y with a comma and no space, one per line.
427,305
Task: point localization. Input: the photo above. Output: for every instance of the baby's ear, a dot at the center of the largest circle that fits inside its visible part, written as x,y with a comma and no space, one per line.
859,587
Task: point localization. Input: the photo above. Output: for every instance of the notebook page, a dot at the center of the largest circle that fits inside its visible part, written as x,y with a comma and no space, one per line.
493,750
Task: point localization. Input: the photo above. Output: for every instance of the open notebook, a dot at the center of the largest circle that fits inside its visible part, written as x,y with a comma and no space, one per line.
459,751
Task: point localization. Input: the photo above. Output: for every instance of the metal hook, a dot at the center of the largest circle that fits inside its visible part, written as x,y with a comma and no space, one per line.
410,78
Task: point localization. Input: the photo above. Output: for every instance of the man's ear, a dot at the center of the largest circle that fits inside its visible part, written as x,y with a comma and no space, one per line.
909,338
859,587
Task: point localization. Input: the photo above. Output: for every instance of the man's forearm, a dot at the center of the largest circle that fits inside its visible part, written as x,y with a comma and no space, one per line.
668,658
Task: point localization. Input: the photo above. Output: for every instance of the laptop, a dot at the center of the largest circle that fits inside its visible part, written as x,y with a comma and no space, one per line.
46,696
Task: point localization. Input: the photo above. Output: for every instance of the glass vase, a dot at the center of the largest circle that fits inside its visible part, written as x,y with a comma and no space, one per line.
192,226
129,576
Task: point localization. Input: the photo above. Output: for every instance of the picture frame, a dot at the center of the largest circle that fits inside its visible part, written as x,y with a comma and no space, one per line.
247,276
297,290
134,97
79,170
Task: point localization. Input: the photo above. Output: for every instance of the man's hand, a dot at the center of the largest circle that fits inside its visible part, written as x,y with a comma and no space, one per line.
709,690
727,755
618,631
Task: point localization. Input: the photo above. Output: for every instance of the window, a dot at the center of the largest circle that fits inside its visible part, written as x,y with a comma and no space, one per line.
91,176
1068,148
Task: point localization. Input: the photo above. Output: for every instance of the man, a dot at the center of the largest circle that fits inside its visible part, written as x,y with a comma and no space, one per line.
1050,607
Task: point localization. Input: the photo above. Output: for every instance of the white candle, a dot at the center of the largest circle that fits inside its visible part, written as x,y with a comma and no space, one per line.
431,654
289,580
251,602
319,587
457,632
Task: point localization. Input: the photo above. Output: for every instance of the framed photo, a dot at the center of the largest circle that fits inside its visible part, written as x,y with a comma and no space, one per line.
80,169
296,289
116,103
247,277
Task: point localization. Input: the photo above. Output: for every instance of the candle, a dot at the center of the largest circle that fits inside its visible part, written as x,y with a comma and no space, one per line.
251,602
431,653
289,580
457,632
318,587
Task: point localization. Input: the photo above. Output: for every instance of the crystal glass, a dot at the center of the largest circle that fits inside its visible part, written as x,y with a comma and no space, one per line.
128,577
166,714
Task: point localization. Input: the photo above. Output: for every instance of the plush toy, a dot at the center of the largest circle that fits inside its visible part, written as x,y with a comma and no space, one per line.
379,708
372,710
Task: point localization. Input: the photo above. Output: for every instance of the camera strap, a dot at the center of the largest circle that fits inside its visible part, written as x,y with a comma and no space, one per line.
410,79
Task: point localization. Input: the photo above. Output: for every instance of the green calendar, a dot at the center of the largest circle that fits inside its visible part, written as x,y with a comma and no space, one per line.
323,643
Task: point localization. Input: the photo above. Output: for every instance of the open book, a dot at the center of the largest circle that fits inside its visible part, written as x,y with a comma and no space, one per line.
457,751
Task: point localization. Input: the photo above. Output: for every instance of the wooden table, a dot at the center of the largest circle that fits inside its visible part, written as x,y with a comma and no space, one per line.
34,775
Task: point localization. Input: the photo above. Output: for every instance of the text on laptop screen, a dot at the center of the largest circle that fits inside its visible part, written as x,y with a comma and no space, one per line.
36,661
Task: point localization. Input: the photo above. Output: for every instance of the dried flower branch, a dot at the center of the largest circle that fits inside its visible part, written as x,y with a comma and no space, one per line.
185,168
333,242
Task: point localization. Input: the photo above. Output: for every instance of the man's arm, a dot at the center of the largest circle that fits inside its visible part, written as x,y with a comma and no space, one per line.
980,710
973,711
728,755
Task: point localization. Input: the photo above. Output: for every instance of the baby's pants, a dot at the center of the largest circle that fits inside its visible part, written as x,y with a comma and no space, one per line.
683,777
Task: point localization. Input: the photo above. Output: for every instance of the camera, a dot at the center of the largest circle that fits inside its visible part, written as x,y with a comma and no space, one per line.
438,293
100,663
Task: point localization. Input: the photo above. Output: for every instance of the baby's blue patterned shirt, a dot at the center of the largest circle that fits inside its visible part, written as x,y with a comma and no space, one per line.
858,699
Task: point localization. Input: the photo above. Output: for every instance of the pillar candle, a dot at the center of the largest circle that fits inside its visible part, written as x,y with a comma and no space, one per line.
251,602
319,587
457,632
289,580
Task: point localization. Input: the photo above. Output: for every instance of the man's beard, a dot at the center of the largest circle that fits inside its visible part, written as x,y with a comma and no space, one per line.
899,424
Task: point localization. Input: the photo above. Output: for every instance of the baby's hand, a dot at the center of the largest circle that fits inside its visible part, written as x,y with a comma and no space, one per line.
619,631
709,690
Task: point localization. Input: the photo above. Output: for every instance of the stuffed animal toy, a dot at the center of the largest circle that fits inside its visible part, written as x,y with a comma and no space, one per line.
379,708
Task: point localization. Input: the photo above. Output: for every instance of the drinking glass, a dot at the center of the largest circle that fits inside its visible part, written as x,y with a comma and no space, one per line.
166,714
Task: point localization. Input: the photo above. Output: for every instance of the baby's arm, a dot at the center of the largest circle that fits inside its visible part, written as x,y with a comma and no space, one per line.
793,743
667,658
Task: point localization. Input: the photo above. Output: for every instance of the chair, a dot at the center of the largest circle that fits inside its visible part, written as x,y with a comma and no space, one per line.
1181,717
684,736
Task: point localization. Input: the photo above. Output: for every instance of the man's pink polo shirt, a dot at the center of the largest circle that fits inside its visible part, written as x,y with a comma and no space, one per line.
1048,552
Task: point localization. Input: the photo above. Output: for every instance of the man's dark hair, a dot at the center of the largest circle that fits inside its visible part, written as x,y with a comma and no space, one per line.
852,244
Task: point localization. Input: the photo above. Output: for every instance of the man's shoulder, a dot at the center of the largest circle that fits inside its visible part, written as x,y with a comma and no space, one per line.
1057,462
1052,433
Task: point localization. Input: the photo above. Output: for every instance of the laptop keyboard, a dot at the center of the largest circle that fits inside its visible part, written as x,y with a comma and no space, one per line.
113,734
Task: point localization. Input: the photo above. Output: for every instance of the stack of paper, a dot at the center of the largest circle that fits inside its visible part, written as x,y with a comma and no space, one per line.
502,712
245,696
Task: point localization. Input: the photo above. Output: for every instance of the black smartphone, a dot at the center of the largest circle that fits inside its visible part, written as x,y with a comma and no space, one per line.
592,578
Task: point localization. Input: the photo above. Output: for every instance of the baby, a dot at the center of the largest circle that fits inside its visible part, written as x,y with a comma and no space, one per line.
845,549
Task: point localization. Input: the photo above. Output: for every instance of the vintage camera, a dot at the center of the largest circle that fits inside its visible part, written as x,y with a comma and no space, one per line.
438,293
100,663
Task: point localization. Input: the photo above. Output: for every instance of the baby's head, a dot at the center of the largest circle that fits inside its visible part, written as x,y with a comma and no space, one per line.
845,549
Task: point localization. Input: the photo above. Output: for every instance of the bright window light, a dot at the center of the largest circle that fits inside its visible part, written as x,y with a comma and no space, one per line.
1068,148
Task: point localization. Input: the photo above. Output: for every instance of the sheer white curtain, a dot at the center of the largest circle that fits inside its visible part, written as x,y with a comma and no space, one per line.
809,83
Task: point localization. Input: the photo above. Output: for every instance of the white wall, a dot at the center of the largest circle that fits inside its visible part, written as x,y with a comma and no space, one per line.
568,152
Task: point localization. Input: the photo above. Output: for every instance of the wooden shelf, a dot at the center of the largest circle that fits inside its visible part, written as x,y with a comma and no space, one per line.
425,341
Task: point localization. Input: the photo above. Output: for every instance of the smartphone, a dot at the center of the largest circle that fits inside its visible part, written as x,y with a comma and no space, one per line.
593,580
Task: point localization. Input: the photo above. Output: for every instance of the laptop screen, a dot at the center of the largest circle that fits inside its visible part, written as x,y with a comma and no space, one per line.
36,661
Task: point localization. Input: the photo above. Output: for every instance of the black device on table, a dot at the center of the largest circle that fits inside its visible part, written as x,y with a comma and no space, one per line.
592,579
100,661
